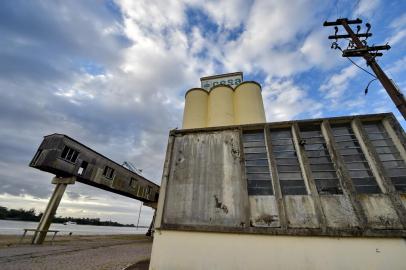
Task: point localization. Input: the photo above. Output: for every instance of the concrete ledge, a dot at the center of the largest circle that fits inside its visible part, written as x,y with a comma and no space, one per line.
335,232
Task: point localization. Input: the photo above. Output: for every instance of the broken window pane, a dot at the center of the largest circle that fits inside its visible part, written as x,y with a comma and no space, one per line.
82,167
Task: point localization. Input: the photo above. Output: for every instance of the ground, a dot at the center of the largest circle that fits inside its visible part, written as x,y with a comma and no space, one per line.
77,252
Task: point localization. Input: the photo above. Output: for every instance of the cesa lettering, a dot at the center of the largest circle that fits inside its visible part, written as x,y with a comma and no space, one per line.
208,85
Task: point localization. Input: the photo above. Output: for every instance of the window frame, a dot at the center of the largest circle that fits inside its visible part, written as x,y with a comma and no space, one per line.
70,152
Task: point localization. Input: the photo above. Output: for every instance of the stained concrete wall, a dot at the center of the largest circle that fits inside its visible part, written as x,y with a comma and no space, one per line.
206,181
207,220
174,250
207,191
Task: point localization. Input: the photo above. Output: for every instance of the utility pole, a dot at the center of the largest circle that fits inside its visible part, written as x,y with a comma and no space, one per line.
360,48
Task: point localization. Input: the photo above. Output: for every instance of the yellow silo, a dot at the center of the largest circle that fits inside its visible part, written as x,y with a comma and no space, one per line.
195,112
248,104
221,106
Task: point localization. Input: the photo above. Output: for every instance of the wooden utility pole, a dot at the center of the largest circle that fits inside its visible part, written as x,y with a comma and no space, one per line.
358,48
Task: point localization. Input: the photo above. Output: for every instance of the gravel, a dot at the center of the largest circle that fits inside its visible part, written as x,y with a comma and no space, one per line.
79,252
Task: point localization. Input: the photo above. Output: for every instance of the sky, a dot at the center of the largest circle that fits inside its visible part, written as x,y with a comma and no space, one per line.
113,74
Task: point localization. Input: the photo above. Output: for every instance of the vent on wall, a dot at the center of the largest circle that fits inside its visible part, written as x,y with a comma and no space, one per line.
354,159
323,171
256,163
392,162
287,164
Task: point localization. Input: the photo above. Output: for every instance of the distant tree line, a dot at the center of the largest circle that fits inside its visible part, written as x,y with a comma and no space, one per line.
30,215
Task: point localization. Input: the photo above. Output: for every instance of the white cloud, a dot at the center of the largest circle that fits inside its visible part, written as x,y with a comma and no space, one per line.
366,7
127,112
398,26
284,100
397,67
335,86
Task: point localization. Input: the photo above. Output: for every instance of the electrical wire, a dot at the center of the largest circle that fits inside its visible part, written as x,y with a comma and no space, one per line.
361,67
349,59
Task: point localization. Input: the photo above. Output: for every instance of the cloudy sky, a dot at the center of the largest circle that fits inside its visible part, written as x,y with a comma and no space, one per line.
113,74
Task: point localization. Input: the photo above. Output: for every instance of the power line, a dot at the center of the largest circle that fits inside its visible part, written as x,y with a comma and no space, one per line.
361,67
360,48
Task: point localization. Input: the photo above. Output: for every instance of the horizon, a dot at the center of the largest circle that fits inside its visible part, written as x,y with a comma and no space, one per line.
113,74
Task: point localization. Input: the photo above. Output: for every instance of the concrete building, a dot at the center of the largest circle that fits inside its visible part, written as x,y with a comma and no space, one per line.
312,194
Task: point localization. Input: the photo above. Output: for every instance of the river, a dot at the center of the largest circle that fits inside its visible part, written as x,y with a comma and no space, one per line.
17,228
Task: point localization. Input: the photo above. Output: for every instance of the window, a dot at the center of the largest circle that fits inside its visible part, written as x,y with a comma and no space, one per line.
108,172
354,159
148,191
256,164
82,168
323,171
287,164
392,162
140,191
36,157
133,183
69,154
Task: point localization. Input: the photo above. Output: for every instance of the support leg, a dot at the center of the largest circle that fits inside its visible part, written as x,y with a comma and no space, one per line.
151,226
50,211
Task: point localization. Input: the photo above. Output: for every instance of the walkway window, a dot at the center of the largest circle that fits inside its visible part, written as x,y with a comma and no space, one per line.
256,163
133,183
108,172
69,154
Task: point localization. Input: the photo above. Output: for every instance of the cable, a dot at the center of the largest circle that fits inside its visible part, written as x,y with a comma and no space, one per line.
361,68
366,89
335,46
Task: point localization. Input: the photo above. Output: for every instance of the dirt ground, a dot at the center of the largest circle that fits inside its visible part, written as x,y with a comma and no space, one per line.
76,252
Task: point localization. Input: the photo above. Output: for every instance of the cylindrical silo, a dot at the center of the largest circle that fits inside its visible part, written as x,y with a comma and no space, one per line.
248,104
221,106
195,112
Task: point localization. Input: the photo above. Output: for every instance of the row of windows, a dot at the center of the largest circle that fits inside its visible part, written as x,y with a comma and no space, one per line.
70,154
288,169
140,190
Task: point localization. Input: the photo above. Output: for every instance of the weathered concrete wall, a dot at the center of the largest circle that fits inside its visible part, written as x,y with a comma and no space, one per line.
206,183
264,211
301,212
380,212
339,212
193,250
